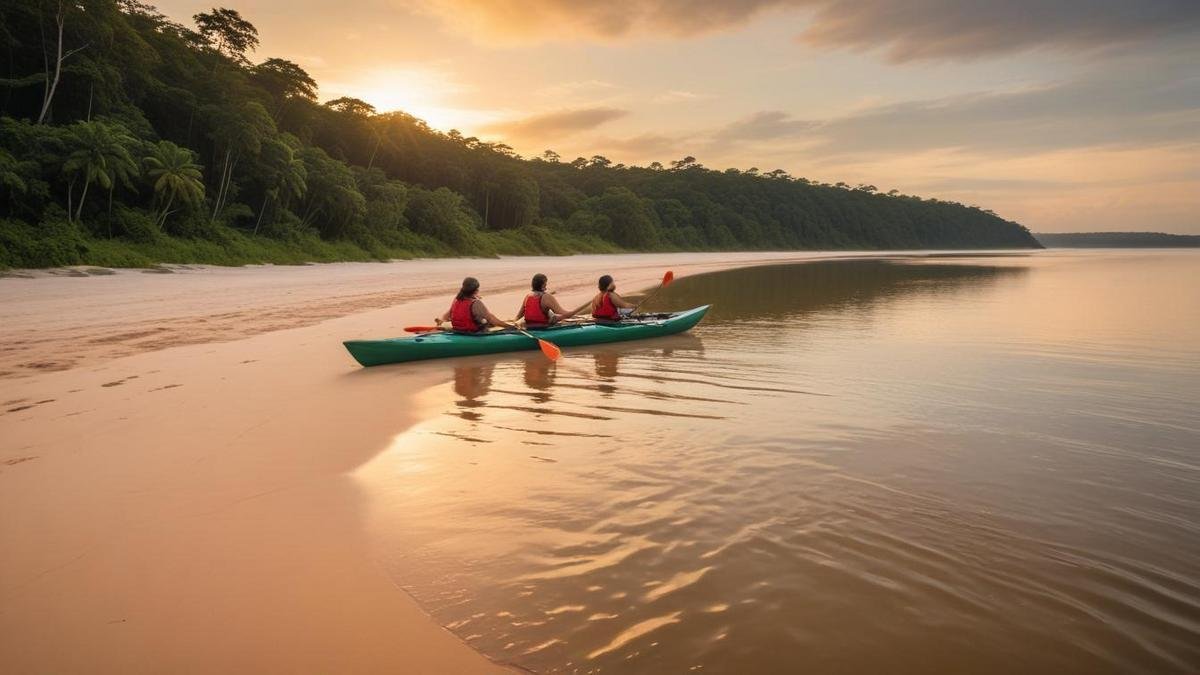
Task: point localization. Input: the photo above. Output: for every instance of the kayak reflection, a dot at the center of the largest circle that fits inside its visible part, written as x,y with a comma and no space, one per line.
489,394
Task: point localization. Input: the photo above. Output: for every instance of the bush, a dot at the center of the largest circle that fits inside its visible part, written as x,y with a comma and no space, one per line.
132,224
55,242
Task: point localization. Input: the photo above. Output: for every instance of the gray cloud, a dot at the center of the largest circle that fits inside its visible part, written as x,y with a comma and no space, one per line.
1148,101
643,147
558,124
930,29
764,125
904,30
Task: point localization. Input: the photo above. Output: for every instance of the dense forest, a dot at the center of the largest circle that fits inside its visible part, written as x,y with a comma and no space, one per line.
128,139
1118,240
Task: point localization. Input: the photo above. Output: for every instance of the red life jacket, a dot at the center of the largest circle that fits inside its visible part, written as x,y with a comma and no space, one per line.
533,310
605,309
461,318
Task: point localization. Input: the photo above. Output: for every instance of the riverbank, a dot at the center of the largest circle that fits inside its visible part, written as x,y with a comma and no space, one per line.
175,459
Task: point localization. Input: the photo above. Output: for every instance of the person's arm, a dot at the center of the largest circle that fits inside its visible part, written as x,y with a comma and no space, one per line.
552,305
620,302
520,311
482,312
443,318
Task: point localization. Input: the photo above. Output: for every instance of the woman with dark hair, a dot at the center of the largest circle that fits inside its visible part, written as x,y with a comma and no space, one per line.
467,313
540,308
607,305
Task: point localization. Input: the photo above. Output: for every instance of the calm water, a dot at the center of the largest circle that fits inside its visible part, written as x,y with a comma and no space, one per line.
983,464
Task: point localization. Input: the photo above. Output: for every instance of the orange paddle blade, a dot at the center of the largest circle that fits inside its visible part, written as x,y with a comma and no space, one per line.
550,349
668,277
420,329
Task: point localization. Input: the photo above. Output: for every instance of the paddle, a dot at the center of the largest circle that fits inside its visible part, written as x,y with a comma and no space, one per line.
667,279
548,348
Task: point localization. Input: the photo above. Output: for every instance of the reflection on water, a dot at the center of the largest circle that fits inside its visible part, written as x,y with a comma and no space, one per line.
967,464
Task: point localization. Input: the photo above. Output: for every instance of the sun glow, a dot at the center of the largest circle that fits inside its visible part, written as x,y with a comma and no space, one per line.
422,93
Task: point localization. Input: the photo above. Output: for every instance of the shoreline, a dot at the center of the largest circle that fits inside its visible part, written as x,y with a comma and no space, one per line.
55,320
181,500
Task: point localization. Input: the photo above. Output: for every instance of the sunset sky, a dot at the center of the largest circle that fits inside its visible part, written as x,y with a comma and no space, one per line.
1072,115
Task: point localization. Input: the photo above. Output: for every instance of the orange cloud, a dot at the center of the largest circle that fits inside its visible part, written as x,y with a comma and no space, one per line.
555,125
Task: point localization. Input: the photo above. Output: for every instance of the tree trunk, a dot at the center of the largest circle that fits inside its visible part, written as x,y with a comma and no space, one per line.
53,84
82,197
221,184
162,221
260,213
70,198
378,140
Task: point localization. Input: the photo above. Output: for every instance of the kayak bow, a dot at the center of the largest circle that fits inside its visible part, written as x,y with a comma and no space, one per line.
444,345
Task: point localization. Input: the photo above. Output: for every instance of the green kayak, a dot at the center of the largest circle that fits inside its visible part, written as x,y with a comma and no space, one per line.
443,345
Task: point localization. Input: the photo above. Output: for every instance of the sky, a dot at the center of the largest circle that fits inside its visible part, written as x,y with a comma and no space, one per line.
1066,116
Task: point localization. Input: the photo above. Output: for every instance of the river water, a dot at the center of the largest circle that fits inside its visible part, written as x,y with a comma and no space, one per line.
923,464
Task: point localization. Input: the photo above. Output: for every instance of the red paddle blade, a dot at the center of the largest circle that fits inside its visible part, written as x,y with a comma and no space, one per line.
420,329
668,277
550,349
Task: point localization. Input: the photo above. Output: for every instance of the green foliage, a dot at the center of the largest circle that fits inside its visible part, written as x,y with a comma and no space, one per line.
175,177
54,242
227,32
99,154
240,163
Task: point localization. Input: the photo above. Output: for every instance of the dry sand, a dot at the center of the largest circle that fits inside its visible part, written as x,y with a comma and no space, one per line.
174,451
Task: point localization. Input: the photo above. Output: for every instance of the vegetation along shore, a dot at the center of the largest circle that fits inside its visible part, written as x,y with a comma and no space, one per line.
127,139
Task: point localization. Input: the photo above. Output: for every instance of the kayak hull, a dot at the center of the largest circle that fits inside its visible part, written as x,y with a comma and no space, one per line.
447,345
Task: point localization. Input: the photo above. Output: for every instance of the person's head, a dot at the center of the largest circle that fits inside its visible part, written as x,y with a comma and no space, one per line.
470,286
606,283
539,283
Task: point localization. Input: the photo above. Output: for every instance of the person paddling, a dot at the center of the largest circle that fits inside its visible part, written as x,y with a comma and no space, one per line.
541,309
607,305
467,313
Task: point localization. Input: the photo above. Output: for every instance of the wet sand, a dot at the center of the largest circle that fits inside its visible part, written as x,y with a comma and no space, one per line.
174,460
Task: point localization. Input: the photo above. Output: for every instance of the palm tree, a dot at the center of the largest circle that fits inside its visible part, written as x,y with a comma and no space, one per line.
285,175
101,156
175,175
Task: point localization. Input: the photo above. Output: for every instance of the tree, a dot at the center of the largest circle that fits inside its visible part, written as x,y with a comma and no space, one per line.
238,130
551,156
332,201
283,175
352,106
60,20
284,80
655,166
683,164
630,220
175,176
228,33
100,155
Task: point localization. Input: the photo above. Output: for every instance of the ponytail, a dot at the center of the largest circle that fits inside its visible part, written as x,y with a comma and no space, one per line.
469,286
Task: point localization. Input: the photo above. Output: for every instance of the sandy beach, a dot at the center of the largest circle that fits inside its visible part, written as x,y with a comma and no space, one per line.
174,451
